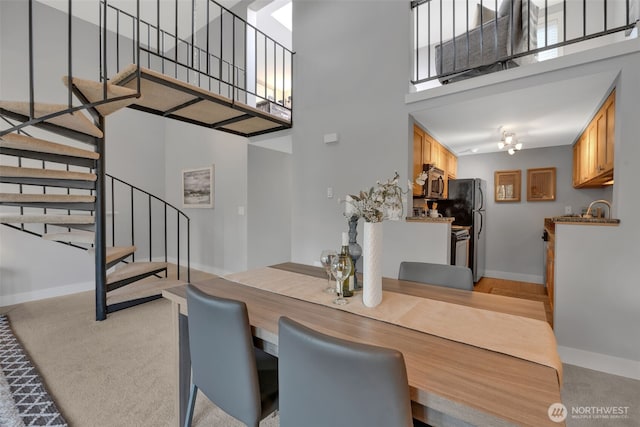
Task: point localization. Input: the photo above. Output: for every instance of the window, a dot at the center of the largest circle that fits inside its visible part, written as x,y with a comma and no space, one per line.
552,31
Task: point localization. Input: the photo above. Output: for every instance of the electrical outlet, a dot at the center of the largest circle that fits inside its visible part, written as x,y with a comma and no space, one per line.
329,192
567,210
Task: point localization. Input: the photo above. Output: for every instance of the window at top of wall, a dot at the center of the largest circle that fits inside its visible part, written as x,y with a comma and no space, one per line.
552,30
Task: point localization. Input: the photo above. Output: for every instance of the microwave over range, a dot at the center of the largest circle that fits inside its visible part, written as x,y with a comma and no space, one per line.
433,187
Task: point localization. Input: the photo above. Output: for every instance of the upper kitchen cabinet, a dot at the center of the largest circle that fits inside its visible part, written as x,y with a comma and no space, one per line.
427,149
593,152
421,154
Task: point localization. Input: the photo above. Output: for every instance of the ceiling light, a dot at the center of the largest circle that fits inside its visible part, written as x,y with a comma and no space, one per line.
510,142
474,150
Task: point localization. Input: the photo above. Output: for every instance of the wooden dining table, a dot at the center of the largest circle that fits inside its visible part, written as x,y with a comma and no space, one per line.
451,383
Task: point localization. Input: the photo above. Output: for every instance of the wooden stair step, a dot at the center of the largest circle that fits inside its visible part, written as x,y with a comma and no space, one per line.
94,91
142,289
75,121
45,198
27,143
116,253
46,219
19,172
135,269
75,236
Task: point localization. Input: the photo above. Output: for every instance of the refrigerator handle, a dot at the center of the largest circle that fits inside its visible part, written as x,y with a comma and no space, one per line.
481,222
481,198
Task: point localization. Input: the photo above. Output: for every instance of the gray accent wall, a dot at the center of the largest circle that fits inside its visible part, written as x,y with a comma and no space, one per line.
269,207
351,75
514,229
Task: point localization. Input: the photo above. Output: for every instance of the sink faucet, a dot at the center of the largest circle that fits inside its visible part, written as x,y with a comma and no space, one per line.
595,202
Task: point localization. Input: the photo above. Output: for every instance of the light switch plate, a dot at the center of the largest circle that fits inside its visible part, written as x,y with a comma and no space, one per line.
329,192
567,210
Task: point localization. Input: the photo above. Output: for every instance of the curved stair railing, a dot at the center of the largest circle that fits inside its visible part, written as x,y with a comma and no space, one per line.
77,216
149,212
227,52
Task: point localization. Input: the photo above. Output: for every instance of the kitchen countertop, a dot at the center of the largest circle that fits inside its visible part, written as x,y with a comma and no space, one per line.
549,223
440,219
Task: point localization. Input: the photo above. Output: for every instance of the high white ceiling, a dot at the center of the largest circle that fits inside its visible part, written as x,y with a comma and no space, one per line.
547,115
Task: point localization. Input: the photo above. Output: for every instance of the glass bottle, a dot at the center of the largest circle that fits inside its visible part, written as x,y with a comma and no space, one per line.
349,284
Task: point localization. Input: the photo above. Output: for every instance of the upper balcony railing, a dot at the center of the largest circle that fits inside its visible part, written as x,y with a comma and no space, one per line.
202,43
458,39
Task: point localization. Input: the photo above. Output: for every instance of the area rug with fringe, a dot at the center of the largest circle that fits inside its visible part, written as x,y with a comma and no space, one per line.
24,401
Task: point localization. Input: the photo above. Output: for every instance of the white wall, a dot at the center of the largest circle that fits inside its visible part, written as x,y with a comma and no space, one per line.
350,81
218,235
269,207
514,230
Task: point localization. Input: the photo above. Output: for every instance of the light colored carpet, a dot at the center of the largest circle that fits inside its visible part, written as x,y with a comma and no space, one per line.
120,372
113,373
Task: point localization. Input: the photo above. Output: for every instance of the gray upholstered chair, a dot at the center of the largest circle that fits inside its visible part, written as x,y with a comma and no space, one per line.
239,378
451,276
326,381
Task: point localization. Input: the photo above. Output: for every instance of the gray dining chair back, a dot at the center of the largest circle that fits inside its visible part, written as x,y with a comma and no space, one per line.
326,381
451,276
238,378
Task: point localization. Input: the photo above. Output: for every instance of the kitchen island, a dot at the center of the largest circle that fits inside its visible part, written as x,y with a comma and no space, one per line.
426,239
550,229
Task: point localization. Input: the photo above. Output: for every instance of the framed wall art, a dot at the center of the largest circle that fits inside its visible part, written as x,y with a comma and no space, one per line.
541,184
507,185
198,187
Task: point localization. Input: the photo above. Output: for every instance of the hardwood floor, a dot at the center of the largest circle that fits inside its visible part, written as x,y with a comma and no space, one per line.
514,289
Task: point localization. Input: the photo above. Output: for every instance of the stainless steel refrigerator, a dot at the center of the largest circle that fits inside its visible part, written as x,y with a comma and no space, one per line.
466,203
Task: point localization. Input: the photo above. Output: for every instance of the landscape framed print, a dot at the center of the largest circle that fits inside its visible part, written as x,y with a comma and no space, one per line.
198,187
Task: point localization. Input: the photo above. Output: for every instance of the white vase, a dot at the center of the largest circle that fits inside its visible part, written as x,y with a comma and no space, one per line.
372,264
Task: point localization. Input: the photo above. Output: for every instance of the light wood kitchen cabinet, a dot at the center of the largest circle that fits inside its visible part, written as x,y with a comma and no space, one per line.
550,266
593,152
452,169
427,149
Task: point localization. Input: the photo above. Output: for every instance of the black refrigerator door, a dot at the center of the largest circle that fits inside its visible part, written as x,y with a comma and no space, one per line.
460,204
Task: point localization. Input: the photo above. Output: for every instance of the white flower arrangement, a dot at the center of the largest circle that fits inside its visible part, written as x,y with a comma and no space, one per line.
378,203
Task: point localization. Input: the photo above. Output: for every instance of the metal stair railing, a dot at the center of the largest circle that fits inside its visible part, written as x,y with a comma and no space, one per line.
263,77
161,209
430,17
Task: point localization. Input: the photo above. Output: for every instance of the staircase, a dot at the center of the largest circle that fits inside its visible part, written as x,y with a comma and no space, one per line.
60,194
54,185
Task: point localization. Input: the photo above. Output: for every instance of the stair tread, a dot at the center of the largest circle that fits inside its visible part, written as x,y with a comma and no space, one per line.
46,198
27,143
74,121
116,252
94,91
46,219
144,288
134,269
20,172
76,236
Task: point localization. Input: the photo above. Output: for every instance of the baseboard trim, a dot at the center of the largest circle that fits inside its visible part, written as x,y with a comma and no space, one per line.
600,362
58,291
518,277
196,266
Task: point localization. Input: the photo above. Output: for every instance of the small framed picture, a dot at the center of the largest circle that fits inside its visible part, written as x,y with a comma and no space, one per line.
541,184
198,187
507,185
